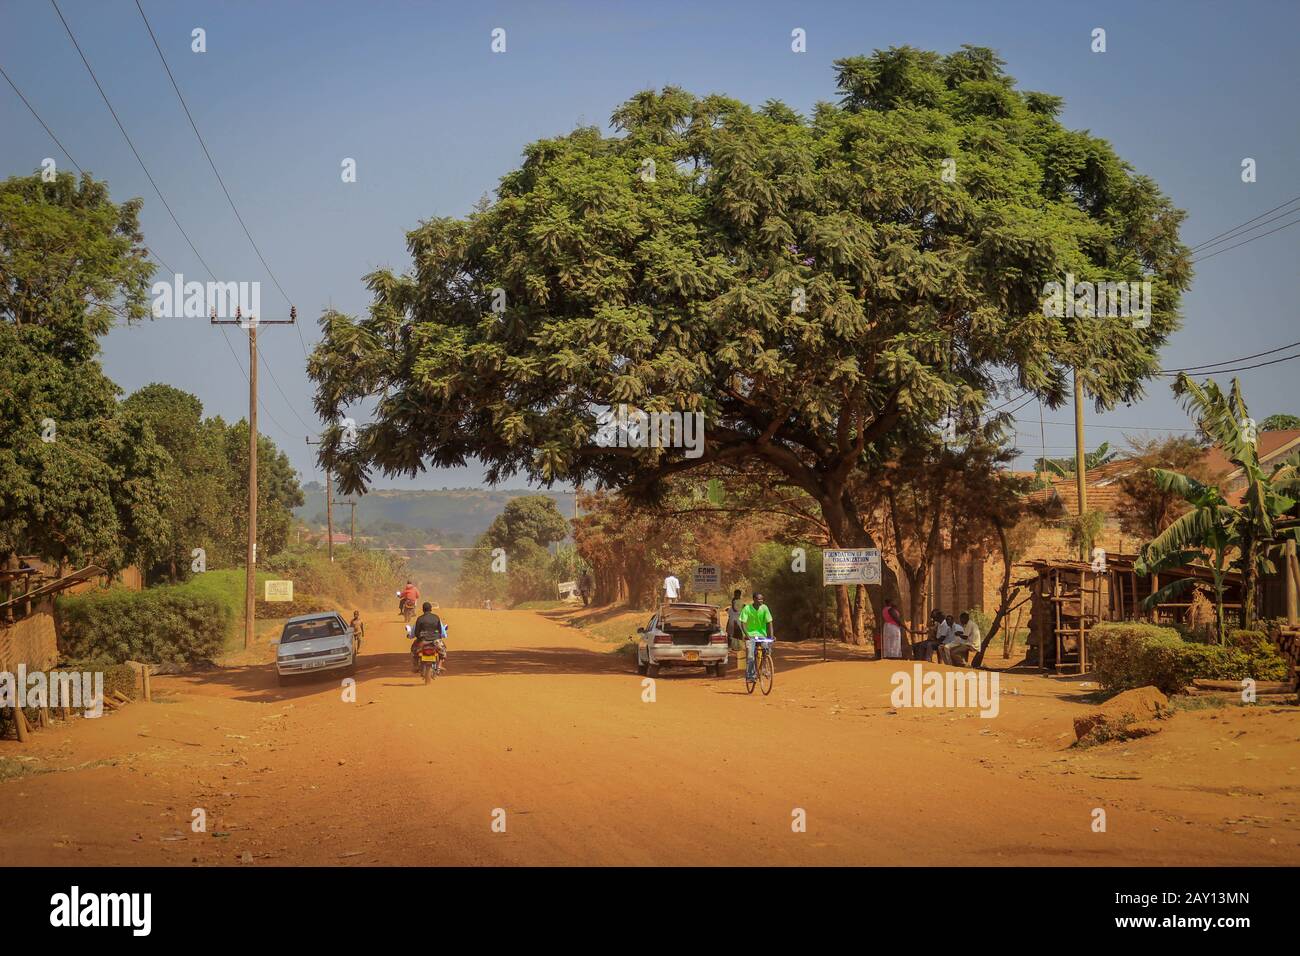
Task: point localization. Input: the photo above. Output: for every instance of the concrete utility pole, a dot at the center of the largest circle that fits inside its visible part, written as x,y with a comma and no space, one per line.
250,560
329,506
1080,463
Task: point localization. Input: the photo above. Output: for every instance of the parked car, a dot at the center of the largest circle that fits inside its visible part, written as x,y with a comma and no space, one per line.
313,643
682,635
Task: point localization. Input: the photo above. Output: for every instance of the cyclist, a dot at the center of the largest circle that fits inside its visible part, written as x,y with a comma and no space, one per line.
756,621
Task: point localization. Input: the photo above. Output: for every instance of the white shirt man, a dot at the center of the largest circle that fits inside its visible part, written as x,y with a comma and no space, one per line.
959,642
671,587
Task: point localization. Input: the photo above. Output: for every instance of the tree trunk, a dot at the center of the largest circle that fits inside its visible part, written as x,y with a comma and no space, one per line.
1006,597
844,613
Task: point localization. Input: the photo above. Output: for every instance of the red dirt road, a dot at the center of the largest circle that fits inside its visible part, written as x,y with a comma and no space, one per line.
536,720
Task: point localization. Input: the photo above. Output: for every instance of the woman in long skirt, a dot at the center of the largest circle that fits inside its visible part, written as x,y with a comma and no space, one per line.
892,631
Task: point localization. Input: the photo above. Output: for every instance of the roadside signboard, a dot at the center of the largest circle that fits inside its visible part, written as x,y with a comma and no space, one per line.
851,566
708,577
567,589
279,591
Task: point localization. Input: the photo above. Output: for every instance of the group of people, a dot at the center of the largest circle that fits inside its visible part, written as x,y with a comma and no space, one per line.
953,641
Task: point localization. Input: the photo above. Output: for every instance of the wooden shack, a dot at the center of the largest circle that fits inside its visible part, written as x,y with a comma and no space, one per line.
1068,598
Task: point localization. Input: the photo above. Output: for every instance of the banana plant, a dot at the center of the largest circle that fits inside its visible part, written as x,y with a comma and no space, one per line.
1213,530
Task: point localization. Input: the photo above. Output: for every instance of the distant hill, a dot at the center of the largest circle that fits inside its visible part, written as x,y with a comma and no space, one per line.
410,521
454,515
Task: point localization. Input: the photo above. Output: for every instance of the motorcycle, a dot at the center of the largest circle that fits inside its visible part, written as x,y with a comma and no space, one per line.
408,610
427,655
429,658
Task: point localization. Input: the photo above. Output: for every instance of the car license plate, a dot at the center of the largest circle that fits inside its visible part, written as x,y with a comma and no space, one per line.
692,655
315,663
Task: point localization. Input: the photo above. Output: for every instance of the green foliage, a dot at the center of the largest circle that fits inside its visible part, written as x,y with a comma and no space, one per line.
1126,655
1279,422
1267,662
1065,467
1213,530
533,518
81,479
813,285
163,624
797,599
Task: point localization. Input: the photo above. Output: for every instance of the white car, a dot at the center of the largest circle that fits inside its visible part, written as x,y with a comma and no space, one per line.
682,635
312,643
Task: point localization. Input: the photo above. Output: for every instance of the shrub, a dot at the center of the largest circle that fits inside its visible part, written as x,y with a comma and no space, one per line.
1266,661
161,624
1129,654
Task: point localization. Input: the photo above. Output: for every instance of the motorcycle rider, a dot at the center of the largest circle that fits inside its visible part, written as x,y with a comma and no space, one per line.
409,593
428,626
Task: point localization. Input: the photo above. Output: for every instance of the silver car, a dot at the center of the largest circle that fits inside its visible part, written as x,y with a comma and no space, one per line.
682,635
313,643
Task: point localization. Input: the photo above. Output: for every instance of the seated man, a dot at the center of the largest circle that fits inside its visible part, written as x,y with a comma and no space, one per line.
937,633
959,643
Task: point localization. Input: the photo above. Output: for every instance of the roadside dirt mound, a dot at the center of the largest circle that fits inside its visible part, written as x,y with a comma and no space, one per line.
1132,713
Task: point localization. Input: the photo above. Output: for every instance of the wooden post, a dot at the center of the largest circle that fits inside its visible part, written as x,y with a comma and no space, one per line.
1292,610
20,724
1080,465
250,567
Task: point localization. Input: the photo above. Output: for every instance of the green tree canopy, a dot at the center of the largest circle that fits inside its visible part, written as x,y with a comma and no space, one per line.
81,479
821,288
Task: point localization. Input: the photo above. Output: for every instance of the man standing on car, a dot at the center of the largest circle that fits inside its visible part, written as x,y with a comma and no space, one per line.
756,620
427,626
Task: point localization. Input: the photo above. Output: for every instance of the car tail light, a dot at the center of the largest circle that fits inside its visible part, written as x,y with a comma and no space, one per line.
663,639
718,638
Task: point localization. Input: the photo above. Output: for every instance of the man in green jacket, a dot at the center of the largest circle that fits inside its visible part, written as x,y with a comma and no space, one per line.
755,621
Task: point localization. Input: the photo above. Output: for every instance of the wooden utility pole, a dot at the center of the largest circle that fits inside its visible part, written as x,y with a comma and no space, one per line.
1080,463
352,532
329,507
250,560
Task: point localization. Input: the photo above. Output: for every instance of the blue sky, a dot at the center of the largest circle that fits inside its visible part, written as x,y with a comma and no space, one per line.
433,118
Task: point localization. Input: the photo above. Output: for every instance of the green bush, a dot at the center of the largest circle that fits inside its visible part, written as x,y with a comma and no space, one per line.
1267,662
161,624
1125,655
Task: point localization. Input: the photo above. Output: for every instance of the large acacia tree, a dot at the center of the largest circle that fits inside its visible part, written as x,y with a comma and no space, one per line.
820,287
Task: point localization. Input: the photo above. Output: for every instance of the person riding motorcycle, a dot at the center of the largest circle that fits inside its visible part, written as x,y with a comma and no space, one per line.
409,593
428,626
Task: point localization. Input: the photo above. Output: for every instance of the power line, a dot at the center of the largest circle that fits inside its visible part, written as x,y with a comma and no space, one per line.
1234,361
59,143
127,137
216,172
64,149
1217,237
1293,222
1242,368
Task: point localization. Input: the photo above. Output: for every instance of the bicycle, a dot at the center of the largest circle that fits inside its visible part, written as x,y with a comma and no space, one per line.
762,667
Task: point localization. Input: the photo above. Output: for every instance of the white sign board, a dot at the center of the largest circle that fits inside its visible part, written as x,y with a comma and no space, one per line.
851,566
708,577
567,589
279,590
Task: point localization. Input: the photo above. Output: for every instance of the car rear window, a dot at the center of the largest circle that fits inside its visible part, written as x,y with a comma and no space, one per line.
309,630
690,618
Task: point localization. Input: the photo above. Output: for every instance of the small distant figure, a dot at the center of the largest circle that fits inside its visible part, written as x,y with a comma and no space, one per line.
891,631
734,634
585,588
487,604
358,628
672,587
